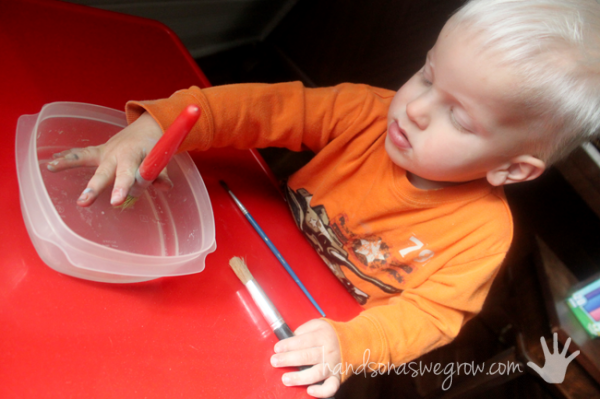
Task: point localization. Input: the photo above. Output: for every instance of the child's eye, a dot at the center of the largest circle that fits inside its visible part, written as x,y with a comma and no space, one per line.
457,124
424,79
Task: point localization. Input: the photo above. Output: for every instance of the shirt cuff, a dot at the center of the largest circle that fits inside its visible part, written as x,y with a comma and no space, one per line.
164,111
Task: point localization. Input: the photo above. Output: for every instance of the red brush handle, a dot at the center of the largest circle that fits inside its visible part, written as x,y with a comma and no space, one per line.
164,149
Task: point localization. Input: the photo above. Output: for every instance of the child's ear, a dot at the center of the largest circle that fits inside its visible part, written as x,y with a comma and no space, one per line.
518,169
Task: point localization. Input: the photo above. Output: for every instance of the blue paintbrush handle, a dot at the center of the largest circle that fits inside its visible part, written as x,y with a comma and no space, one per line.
283,262
272,247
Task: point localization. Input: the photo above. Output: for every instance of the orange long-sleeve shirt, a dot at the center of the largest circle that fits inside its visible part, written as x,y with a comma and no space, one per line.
421,262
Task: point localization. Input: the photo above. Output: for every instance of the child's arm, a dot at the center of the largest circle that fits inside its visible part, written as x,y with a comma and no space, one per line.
269,115
240,116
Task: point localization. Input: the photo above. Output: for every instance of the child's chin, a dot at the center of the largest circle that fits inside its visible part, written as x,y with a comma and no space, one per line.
398,157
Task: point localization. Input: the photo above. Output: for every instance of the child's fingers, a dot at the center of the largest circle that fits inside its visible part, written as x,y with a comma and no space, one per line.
298,342
309,376
305,377
103,176
87,197
73,158
162,182
124,179
325,390
305,357
309,335
310,326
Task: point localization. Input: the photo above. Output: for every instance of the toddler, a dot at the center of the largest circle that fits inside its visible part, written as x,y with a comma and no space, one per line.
403,199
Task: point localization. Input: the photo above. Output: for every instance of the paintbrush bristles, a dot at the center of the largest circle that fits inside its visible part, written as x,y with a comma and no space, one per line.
241,270
129,201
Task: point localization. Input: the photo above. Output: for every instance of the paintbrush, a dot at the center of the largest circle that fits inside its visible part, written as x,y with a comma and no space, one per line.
272,247
262,301
161,153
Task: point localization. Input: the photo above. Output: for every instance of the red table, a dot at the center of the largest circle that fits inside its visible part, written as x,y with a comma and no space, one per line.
186,337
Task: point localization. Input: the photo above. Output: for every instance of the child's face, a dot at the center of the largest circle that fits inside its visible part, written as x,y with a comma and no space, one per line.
454,120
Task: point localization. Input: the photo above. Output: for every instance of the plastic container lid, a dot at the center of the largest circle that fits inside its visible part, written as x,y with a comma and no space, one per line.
163,234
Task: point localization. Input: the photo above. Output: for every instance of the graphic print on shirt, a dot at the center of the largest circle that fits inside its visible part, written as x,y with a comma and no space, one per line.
331,237
371,251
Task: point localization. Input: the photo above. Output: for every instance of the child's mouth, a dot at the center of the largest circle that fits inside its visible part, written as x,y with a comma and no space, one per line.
398,136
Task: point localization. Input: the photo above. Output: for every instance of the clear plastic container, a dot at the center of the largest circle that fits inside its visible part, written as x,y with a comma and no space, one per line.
163,234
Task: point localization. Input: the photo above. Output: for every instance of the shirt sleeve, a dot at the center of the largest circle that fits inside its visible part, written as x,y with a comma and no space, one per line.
418,320
266,115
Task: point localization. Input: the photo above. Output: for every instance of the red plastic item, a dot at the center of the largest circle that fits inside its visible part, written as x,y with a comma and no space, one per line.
161,153
196,336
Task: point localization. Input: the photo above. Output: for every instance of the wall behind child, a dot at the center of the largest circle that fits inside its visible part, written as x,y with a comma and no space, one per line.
378,42
206,26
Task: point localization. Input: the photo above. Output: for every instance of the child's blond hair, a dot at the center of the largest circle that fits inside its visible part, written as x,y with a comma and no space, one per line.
553,47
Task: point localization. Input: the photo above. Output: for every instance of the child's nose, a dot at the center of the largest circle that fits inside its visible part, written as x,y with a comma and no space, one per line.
417,112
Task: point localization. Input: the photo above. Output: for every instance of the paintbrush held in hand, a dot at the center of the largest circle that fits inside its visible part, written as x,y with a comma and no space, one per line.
262,301
161,153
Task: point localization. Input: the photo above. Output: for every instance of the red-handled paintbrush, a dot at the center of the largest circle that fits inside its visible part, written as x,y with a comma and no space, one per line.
161,153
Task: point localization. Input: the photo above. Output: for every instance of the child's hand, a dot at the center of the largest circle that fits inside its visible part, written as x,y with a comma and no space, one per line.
117,160
314,344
